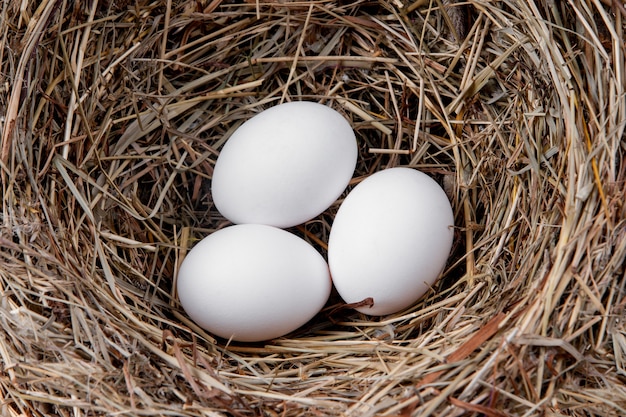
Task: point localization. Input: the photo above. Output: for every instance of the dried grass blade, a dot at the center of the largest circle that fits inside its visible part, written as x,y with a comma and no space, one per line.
480,337
34,32
150,120
477,408
60,164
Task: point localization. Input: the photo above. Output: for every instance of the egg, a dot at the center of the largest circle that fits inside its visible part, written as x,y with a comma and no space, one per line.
252,282
390,240
285,165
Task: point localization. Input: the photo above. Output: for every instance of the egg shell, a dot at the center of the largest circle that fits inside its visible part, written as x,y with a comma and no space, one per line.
252,282
390,240
285,165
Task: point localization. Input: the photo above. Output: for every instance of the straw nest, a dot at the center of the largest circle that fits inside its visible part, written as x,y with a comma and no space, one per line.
113,113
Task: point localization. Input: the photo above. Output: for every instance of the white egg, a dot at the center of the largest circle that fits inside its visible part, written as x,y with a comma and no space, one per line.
390,240
285,165
252,282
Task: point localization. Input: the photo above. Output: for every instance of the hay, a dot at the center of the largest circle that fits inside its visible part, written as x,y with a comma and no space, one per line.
113,113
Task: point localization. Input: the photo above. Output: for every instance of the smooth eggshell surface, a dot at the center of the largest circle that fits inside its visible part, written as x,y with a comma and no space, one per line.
285,165
252,282
390,240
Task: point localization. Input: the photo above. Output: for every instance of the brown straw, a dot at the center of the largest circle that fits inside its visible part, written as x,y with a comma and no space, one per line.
112,114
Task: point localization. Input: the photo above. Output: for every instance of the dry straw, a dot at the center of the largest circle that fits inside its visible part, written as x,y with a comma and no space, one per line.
113,113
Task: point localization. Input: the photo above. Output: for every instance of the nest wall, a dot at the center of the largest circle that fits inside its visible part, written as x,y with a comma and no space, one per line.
114,112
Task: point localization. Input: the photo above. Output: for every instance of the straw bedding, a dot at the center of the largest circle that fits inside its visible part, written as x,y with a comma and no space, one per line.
113,113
